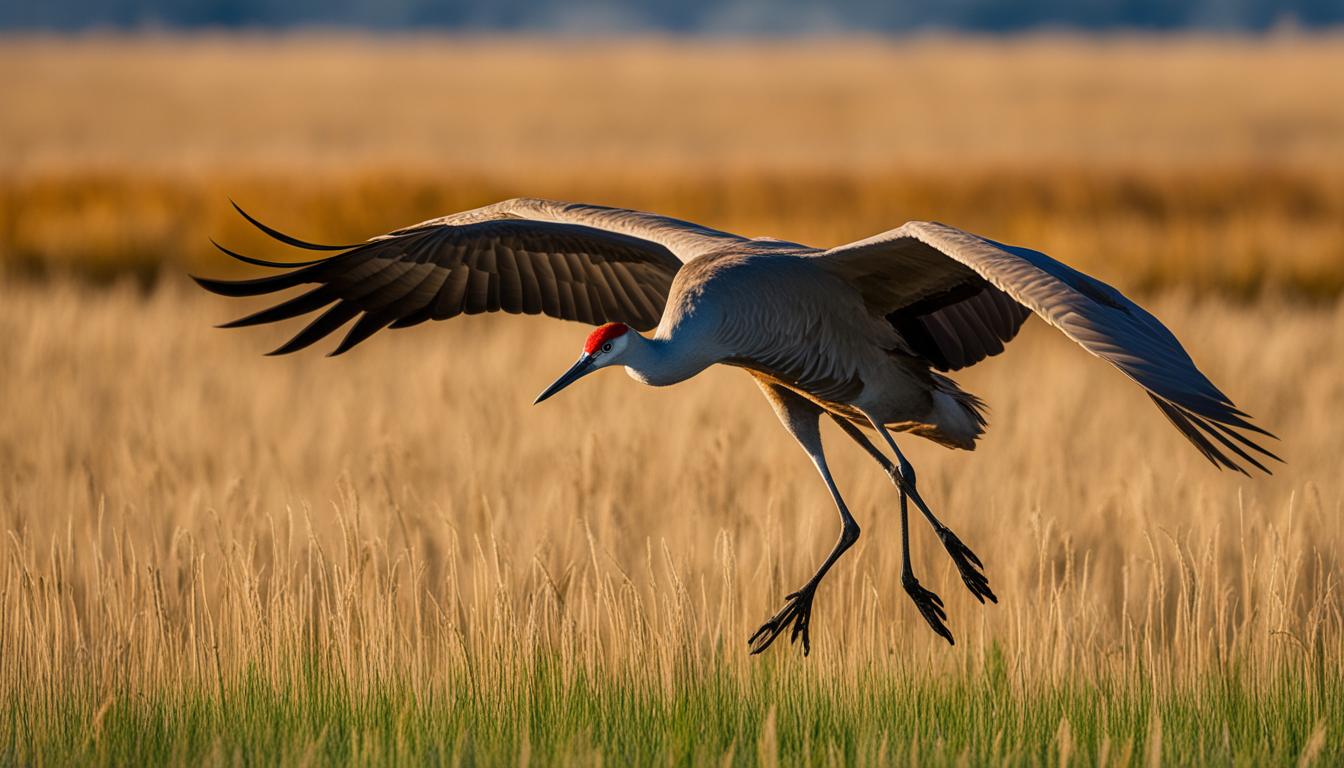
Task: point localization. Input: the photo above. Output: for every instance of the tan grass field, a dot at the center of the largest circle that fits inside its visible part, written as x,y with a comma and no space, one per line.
391,557
188,519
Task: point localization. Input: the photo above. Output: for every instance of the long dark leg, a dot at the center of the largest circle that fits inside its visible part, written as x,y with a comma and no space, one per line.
968,565
800,417
929,604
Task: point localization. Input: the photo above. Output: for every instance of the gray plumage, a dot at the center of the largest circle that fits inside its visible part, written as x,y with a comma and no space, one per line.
862,333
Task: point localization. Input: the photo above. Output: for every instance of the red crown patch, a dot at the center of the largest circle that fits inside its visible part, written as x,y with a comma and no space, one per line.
603,334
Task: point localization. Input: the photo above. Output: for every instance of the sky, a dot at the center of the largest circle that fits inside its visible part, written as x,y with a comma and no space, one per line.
678,17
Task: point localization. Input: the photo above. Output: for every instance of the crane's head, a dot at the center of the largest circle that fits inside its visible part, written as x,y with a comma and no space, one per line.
605,346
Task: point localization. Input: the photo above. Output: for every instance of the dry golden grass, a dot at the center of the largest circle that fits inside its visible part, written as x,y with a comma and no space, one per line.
391,555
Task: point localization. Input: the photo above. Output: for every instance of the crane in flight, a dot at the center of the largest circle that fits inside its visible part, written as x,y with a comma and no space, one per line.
862,333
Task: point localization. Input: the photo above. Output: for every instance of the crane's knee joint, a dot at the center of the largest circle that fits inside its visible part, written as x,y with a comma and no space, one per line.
850,533
907,472
893,472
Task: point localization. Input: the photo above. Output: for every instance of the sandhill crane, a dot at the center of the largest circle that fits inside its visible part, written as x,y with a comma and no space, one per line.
861,333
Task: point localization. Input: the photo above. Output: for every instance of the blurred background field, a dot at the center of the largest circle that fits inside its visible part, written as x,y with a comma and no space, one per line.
1205,164
391,557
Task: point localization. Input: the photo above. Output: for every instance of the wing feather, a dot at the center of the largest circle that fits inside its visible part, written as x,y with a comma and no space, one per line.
631,290
683,240
328,321
478,291
912,276
420,301
299,305
481,261
529,287
449,301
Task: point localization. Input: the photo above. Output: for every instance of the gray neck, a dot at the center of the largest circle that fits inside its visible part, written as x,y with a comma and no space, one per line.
659,362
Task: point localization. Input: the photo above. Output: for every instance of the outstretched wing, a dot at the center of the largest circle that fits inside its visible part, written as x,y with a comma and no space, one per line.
481,261
686,240
957,297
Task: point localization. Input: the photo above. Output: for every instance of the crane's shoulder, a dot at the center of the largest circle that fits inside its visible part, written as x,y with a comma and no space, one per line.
779,312
757,279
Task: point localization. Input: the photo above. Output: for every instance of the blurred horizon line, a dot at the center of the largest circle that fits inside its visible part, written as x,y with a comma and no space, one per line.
681,18
660,35
932,35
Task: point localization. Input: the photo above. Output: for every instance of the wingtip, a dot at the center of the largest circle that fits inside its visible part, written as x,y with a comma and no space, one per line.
284,238
225,251
221,248
241,322
1231,448
264,262
351,340
1243,470
213,285
252,287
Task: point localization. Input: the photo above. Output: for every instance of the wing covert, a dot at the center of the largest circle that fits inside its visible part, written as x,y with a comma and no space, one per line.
685,240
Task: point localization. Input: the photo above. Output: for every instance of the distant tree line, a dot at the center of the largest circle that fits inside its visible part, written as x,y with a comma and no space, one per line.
676,16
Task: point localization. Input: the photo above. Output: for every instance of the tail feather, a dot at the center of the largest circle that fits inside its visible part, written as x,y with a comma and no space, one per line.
957,419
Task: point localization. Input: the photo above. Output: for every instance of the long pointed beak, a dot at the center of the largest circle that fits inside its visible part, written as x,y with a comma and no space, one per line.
576,371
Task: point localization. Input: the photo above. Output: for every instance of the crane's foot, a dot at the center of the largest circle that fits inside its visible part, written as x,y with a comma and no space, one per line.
968,565
797,611
930,607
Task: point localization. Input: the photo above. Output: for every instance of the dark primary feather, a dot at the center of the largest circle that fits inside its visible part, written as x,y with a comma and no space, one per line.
440,270
282,237
262,262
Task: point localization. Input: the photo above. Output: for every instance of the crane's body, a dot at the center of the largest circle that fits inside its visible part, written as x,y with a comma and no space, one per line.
862,333
819,342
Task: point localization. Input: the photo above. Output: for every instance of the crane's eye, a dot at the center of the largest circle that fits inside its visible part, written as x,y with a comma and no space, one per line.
606,347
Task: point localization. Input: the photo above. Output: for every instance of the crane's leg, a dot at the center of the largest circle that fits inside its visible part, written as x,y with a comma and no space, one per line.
800,416
929,604
968,565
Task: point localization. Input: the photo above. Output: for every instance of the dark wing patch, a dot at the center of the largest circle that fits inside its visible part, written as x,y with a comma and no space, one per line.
960,326
520,266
